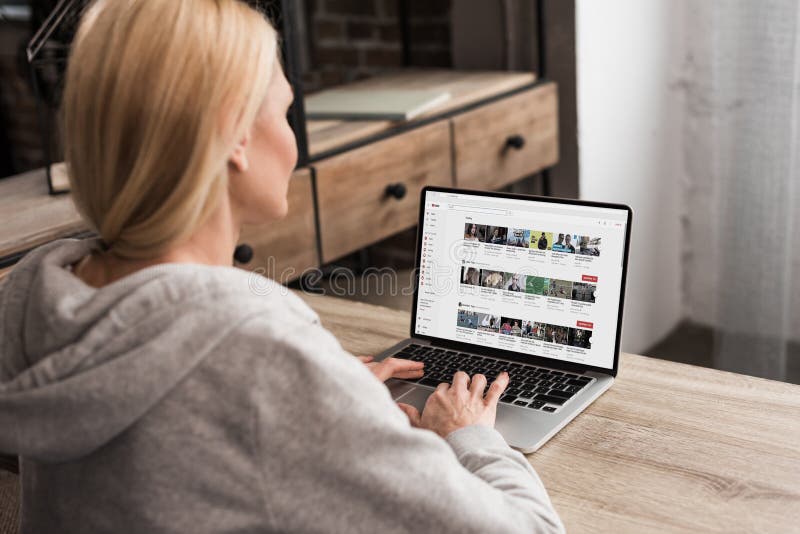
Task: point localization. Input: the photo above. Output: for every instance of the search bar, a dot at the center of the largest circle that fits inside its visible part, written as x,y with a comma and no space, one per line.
478,209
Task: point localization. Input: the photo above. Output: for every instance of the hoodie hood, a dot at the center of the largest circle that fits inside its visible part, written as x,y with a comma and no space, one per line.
79,365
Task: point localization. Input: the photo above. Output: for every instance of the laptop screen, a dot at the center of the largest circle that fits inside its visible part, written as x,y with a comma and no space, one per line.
535,277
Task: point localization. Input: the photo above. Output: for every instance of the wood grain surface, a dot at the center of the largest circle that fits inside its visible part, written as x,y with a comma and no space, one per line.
354,209
482,158
30,216
284,249
465,87
669,448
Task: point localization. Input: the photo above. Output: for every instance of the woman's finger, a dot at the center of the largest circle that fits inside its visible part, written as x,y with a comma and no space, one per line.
382,370
415,373
412,413
394,367
365,359
460,380
405,365
497,388
476,386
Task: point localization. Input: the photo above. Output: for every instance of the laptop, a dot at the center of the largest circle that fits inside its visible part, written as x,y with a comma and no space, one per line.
525,284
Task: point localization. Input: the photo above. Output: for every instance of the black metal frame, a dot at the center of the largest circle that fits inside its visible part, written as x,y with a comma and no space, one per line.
509,355
541,40
43,116
290,50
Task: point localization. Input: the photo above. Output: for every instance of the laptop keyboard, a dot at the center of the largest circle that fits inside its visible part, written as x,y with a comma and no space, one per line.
529,386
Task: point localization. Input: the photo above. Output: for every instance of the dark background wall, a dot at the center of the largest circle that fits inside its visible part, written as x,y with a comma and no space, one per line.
345,40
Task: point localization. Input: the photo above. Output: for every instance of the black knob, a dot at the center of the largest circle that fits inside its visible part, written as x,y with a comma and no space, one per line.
515,141
243,254
397,191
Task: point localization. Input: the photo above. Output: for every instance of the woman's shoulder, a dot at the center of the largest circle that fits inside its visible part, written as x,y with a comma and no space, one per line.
202,296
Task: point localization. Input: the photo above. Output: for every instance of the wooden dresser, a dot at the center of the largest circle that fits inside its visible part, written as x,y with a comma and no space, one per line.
363,179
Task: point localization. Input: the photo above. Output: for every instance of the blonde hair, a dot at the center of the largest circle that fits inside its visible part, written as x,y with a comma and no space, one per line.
157,94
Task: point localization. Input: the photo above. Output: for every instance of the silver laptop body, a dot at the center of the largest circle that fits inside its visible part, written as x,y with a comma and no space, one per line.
520,318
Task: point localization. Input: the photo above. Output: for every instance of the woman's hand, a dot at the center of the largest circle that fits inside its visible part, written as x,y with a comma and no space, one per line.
393,368
462,404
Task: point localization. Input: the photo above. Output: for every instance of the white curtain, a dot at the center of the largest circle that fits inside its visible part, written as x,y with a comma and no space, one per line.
741,151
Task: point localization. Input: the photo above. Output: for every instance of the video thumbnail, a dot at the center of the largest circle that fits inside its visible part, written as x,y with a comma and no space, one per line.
510,327
474,232
536,285
514,282
565,243
578,337
541,240
589,246
470,276
492,279
583,292
559,288
467,319
539,331
496,235
488,322
527,329
557,334
518,237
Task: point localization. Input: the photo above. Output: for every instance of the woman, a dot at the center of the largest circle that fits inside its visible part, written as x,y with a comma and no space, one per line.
144,383
472,233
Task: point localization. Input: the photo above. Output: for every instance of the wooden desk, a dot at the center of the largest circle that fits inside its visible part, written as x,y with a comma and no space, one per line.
30,216
670,447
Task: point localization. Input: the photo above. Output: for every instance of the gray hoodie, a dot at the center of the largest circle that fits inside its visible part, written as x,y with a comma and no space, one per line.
189,398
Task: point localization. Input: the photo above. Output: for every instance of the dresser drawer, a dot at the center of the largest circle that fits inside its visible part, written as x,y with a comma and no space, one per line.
506,140
372,192
282,250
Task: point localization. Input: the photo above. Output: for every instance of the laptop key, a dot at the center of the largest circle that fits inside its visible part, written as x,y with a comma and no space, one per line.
521,403
577,383
508,398
550,398
428,382
561,394
549,409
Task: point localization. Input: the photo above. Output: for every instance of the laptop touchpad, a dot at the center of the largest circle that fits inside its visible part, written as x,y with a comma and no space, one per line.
416,396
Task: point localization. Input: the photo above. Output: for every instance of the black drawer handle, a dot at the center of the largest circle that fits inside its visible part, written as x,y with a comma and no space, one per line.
243,253
397,191
515,141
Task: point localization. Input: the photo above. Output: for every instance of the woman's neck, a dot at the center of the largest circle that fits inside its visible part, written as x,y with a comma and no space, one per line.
212,244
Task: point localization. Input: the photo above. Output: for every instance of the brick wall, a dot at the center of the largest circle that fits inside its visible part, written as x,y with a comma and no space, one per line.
352,39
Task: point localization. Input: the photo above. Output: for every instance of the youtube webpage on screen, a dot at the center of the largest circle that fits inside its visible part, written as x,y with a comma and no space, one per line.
533,277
